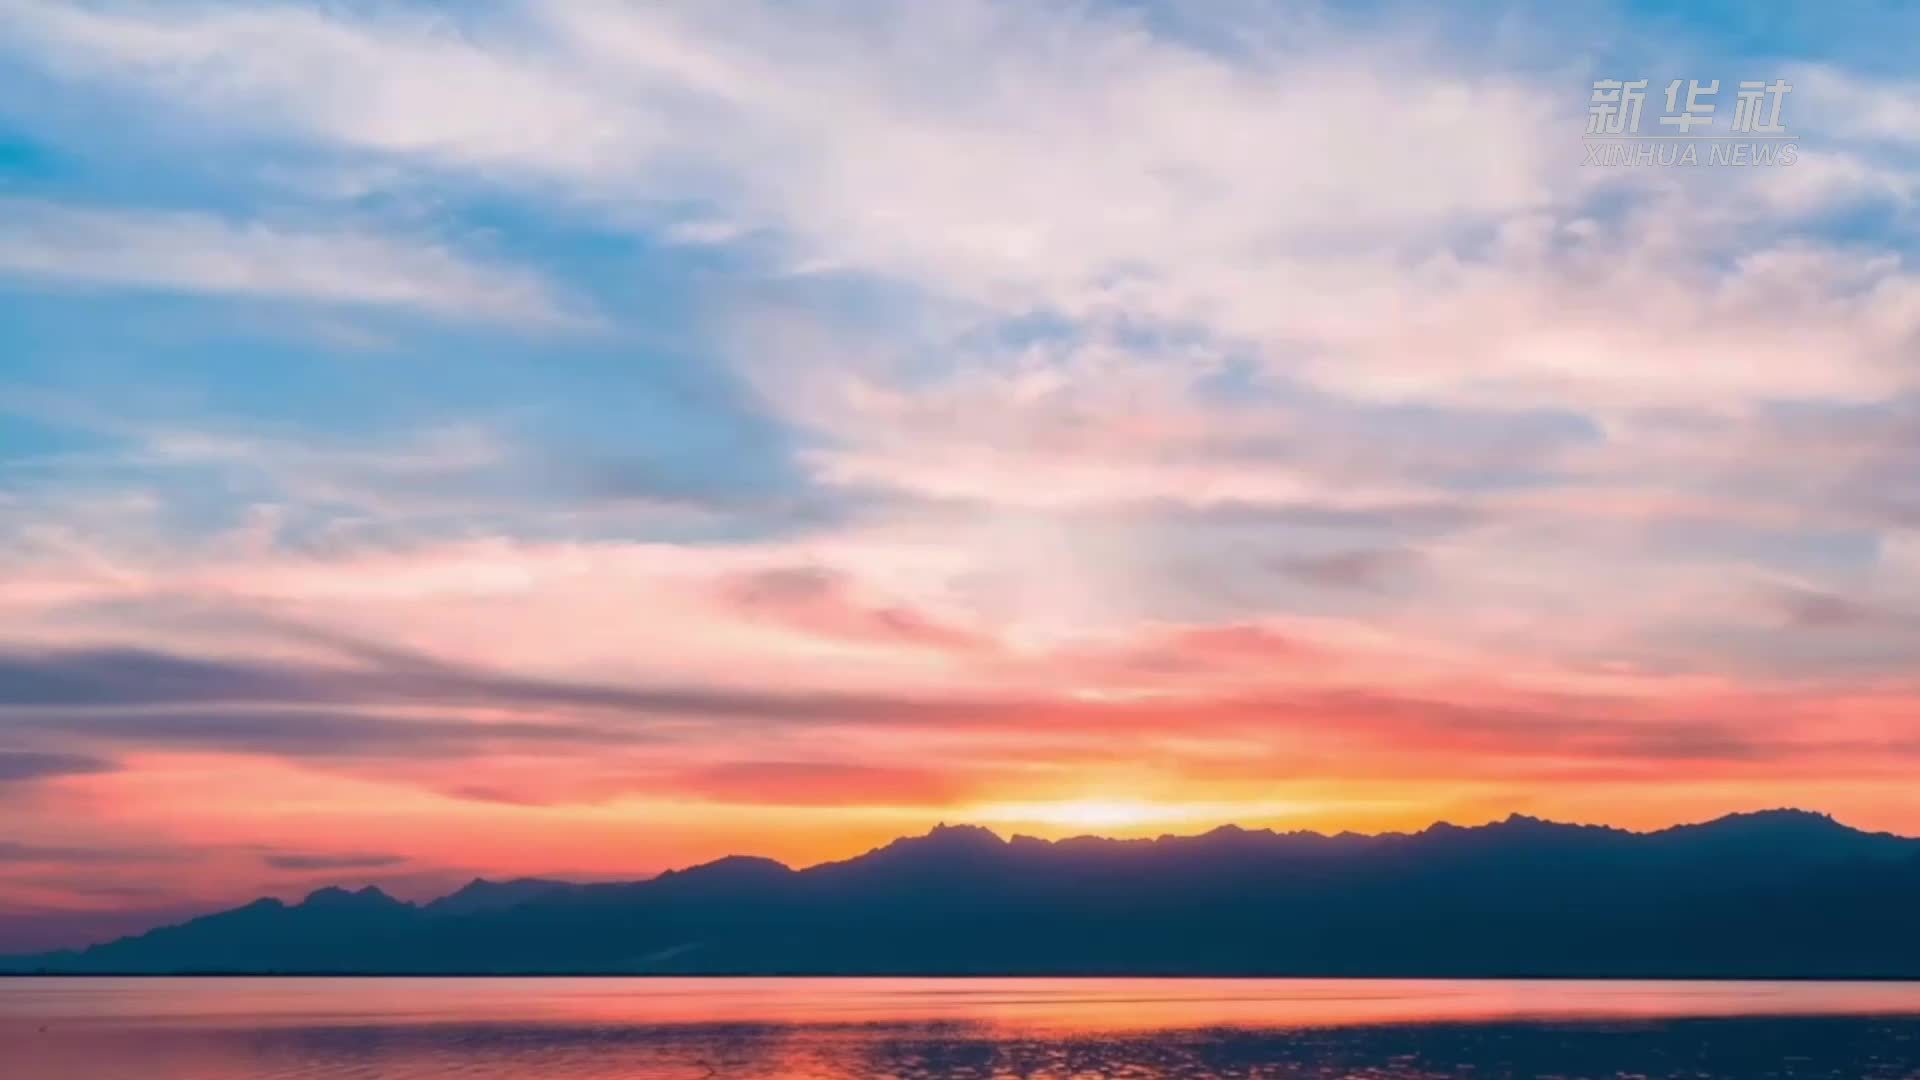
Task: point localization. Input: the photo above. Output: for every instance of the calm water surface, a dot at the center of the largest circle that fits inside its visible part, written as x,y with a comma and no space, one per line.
1033,1029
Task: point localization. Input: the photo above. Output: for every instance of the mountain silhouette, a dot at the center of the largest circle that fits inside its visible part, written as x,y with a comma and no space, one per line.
483,895
1779,893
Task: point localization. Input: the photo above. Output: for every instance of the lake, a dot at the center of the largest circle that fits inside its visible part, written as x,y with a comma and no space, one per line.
1035,1029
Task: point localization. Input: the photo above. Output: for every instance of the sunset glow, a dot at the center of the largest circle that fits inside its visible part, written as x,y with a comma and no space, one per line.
587,439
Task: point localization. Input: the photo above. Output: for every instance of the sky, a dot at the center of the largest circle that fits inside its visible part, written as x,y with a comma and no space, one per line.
585,439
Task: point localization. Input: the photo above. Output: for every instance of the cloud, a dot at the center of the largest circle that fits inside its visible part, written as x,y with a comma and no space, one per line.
15,852
187,252
402,83
815,601
968,148
1880,109
1184,657
26,766
312,733
127,677
332,860
1814,610
581,717
814,783
1370,570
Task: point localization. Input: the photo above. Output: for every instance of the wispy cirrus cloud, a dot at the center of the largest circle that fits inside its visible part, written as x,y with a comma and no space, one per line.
189,252
25,766
971,121
351,860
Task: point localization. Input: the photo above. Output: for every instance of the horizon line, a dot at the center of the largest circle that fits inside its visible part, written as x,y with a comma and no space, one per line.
372,886
567,878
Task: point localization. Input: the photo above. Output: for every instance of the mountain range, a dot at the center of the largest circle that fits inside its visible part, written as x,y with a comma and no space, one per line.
1777,893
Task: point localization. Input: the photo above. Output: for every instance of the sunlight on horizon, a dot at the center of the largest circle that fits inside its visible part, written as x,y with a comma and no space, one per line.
1121,815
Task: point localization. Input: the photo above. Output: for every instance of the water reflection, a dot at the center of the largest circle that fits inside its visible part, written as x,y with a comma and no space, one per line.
1031,1029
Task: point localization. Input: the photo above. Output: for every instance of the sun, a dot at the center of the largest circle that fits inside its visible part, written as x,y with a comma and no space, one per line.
1102,813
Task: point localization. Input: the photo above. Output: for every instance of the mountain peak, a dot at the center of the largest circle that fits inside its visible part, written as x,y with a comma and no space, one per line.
729,870
485,885
333,896
962,836
941,841
1786,834
483,894
1535,826
1782,815
1772,821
